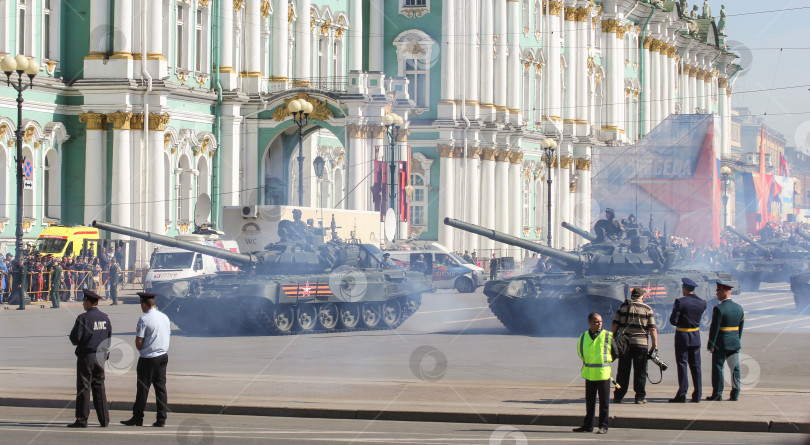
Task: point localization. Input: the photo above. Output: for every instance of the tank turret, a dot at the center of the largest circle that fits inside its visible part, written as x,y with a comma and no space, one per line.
597,278
300,284
771,261
802,234
587,235
759,247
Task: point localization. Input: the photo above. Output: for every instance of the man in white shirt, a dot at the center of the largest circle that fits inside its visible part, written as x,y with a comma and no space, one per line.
152,340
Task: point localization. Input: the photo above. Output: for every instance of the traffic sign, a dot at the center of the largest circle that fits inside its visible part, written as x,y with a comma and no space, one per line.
28,169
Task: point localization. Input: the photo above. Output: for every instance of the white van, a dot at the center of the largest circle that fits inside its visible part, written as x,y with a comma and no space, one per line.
173,264
449,270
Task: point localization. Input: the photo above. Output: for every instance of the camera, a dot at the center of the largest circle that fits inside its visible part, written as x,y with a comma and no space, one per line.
653,356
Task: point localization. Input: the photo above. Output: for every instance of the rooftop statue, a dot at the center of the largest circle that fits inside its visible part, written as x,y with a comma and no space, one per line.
707,10
721,25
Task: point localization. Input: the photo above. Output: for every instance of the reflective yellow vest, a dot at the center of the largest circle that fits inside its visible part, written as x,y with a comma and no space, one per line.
596,355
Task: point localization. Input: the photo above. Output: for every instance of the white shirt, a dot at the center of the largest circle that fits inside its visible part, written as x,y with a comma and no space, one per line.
154,328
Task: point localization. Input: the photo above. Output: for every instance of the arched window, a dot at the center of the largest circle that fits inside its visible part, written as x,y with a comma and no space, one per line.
52,186
185,186
324,58
526,14
414,53
203,178
337,59
419,200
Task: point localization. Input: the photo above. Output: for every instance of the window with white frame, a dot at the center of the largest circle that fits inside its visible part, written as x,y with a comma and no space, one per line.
179,37
527,98
527,202
414,3
538,17
538,95
418,200
525,7
337,58
200,42
46,26
414,48
22,28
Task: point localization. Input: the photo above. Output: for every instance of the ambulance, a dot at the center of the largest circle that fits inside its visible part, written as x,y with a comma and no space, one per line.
61,241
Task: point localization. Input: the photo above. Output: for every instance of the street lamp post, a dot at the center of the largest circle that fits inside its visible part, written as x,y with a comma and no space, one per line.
300,109
393,124
318,164
549,145
21,65
725,172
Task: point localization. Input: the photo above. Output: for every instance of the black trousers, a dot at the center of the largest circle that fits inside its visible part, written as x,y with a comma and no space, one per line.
690,357
592,388
90,376
151,372
637,357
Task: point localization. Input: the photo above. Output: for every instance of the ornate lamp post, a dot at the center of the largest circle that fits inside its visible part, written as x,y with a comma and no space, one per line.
725,172
318,164
549,145
393,124
21,65
300,109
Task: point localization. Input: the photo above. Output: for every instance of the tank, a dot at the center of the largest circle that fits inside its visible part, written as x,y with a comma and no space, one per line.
598,278
300,284
769,261
800,282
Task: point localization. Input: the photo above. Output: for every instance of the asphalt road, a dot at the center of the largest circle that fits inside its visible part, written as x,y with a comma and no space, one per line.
47,426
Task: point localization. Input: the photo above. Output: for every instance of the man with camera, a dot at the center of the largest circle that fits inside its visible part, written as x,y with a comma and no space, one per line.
724,342
635,320
686,314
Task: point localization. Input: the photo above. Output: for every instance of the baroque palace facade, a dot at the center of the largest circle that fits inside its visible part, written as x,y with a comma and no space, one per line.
142,108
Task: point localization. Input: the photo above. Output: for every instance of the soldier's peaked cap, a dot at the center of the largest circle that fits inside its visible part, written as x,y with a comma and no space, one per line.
722,285
688,282
92,296
145,295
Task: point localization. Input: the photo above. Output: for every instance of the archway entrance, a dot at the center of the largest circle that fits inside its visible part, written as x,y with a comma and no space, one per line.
280,169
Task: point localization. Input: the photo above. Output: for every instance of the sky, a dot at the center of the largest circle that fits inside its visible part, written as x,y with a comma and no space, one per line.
774,50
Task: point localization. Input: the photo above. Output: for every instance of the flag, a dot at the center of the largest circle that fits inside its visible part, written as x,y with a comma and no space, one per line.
783,167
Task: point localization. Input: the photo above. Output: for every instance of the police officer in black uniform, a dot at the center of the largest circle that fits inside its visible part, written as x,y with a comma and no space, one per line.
91,335
686,314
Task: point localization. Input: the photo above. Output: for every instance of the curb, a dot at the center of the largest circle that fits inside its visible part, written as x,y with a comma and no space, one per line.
752,426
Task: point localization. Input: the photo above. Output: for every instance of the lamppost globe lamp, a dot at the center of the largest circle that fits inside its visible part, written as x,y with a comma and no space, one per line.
21,64
549,145
300,110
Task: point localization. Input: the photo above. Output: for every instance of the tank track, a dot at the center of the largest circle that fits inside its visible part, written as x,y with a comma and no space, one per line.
255,320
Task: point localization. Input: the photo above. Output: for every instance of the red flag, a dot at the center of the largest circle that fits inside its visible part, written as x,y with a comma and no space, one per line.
783,167
403,182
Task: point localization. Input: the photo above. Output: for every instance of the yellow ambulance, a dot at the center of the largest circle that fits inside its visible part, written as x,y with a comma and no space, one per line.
62,241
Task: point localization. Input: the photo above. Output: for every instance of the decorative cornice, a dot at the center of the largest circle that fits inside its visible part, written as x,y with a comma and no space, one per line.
93,121
120,120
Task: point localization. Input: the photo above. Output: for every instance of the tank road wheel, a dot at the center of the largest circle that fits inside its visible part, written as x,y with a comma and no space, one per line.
349,315
328,316
283,319
661,314
370,314
464,285
412,304
306,317
391,313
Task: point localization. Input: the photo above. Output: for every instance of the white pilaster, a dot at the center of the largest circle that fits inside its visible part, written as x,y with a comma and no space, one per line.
553,63
655,105
252,82
157,180
376,29
120,64
564,198
473,198
473,67
229,161
487,76
226,62
581,112
303,41
157,65
488,199
446,108
665,87
514,67
446,194
569,102
646,87
94,198
515,198
725,119
501,50
502,188
355,35
122,188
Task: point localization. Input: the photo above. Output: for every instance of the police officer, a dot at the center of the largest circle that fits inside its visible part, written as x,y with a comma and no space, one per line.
724,342
56,284
152,340
91,335
686,314
113,277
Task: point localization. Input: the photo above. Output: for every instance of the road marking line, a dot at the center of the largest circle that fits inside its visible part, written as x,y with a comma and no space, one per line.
474,319
759,318
451,310
774,307
764,299
795,320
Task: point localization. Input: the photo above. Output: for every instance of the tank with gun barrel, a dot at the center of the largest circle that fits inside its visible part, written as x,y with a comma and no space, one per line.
772,261
300,284
596,279
800,282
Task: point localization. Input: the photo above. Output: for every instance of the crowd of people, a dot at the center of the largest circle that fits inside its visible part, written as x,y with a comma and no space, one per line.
46,277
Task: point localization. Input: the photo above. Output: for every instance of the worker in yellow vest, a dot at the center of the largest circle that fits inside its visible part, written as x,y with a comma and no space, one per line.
595,349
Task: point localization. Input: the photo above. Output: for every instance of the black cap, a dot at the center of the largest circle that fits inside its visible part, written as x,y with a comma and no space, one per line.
92,296
688,282
145,296
609,210
637,293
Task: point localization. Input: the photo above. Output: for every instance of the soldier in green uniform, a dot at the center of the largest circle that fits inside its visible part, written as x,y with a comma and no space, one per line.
724,342
114,271
56,284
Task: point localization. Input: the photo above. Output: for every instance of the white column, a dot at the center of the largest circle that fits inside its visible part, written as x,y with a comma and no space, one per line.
446,194
515,197
553,67
569,102
229,161
673,81
471,78
488,198
226,62
99,25
487,78
280,36
156,187
725,117
156,60
121,59
303,38
514,67
502,189
655,104
357,162
355,34
665,88
563,177
501,31
581,67
473,198
446,108
618,80
646,86
122,187
94,193
252,82
614,94
693,90
376,29
707,89
583,194
701,91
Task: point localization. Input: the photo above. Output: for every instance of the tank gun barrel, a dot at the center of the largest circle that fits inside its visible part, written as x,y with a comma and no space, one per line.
803,234
587,235
239,259
568,258
748,239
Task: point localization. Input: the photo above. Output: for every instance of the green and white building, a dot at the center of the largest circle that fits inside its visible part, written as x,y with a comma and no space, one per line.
142,107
